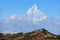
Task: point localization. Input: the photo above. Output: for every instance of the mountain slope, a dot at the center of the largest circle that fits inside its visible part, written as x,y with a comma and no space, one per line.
40,34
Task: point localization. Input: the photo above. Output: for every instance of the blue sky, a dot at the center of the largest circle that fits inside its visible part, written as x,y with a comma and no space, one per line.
49,7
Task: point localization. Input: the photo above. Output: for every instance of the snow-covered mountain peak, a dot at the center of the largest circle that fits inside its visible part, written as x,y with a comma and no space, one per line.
36,14
14,16
34,7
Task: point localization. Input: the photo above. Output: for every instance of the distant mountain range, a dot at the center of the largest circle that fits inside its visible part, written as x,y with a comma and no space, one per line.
33,19
40,34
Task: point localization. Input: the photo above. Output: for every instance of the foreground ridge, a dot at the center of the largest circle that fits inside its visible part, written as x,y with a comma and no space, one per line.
40,34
